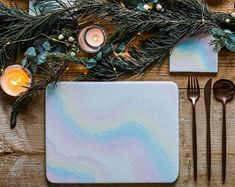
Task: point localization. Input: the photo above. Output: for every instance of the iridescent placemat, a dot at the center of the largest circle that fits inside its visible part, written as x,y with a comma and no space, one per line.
194,55
122,132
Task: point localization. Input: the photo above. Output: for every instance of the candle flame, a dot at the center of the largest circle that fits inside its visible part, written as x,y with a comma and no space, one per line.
96,38
16,82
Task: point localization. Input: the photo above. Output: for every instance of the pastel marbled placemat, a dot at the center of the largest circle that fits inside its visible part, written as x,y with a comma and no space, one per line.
121,132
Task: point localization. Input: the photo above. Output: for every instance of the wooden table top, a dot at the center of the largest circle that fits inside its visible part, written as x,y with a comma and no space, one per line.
22,150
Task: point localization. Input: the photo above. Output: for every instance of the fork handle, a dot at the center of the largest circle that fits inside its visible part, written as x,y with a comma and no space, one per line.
194,131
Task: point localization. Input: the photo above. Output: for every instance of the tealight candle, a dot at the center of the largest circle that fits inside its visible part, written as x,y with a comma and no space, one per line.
15,80
91,39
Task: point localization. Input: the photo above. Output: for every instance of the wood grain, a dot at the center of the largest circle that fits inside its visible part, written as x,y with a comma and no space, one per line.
22,153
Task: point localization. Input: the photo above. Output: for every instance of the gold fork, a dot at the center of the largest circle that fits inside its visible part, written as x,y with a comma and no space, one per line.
193,95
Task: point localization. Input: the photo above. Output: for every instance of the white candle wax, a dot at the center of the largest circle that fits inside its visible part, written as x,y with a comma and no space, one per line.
91,39
94,37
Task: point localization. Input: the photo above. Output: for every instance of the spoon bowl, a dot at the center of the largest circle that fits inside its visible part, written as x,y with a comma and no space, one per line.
224,91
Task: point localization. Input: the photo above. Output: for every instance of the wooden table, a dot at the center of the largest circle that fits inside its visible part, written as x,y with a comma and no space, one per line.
22,153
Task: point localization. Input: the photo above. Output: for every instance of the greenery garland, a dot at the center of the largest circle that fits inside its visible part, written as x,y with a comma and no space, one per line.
165,22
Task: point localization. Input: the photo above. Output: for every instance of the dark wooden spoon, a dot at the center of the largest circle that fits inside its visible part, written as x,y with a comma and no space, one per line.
224,91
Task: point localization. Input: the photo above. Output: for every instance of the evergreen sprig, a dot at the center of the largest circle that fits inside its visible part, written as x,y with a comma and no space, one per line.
119,58
180,19
54,70
19,30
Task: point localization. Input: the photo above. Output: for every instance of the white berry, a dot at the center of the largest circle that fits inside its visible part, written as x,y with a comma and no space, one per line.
146,7
227,20
73,53
61,37
233,14
71,39
158,7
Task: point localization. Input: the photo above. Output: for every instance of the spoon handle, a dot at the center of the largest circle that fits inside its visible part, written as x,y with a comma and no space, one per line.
224,143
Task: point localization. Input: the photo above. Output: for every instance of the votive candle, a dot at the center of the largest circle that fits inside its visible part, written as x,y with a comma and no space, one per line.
15,80
91,39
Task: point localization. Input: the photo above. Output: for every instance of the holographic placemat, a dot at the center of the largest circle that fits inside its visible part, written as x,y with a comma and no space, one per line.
194,55
117,132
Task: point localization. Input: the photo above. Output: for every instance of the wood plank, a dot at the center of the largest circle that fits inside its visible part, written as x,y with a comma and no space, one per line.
22,150
22,153
23,4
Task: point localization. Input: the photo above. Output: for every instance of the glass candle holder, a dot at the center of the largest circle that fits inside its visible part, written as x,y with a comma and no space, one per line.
15,80
92,38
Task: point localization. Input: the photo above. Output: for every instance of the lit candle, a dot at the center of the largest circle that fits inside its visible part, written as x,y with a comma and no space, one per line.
91,39
15,80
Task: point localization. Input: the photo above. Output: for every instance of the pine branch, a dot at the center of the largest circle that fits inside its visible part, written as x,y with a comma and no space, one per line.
176,23
56,71
17,27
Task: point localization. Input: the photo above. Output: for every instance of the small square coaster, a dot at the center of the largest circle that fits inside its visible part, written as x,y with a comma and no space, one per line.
194,54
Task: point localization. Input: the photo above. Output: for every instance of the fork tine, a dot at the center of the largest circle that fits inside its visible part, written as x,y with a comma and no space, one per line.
198,87
192,84
188,84
195,84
